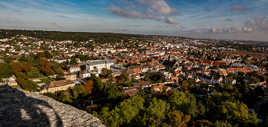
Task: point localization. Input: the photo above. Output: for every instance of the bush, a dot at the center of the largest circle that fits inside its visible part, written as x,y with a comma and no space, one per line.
27,84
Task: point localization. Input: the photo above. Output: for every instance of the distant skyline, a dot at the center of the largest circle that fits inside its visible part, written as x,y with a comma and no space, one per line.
219,19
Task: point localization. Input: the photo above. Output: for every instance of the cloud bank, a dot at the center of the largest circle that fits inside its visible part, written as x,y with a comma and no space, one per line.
157,10
239,8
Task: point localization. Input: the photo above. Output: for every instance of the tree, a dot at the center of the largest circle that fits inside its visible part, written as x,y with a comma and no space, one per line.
264,113
178,119
26,84
202,123
20,70
155,77
130,108
46,67
124,113
79,91
73,61
98,85
106,73
222,124
110,118
184,102
47,55
124,77
66,97
57,69
89,86
5,70
236,112
156,112
20,66
113,92
187,84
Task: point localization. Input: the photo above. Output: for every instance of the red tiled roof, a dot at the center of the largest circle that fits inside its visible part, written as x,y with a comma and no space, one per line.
59,83
245,70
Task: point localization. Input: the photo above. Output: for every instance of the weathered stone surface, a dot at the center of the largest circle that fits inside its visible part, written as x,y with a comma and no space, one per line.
18,109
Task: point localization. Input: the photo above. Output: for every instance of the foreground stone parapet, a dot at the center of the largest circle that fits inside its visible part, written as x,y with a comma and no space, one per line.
18,109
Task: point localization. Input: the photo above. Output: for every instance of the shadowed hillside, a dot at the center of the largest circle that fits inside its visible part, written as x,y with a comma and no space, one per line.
18,109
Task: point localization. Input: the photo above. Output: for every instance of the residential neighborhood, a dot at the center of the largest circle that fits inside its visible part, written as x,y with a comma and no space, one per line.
159,65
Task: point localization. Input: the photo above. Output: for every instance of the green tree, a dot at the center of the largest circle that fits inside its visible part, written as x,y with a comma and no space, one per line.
57,69
5,70
113,92
178,119
124,113
202,123
106,73
124,77
130,108
110,118
98,85
236,112
79,91
26,84
222,124
66,97
184,102
156,112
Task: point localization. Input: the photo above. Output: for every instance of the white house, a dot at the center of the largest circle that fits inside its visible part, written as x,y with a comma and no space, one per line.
84,74
73,69
98,65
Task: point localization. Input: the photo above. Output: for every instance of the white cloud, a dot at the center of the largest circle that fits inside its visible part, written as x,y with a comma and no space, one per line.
157,10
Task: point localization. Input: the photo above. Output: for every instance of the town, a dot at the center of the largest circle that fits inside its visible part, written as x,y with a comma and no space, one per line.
92,74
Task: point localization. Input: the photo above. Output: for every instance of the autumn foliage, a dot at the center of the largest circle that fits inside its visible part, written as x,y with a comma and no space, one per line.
46,67
89,86
20,67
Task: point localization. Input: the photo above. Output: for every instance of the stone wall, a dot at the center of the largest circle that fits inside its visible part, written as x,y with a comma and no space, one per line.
19,109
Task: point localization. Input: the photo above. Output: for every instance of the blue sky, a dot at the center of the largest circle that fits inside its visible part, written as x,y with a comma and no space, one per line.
221,19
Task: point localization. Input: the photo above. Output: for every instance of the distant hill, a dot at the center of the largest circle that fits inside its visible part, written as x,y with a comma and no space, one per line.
76,36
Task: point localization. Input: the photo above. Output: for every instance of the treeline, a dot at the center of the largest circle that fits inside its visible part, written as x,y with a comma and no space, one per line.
75,36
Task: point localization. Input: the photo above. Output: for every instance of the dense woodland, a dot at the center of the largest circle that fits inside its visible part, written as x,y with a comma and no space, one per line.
75,36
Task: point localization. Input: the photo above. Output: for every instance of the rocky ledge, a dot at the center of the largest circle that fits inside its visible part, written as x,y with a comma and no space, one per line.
18,109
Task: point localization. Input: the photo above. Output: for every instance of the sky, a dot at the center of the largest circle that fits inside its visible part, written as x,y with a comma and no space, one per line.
219,19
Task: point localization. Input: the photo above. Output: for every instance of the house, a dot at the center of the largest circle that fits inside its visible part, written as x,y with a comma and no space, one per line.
158,88
220,63
84,74
134,70
98,65
144,69
11,81
70,76
116,73
117,67
60,61
75,68
36,80
239,69
131,92
142,84
56,86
